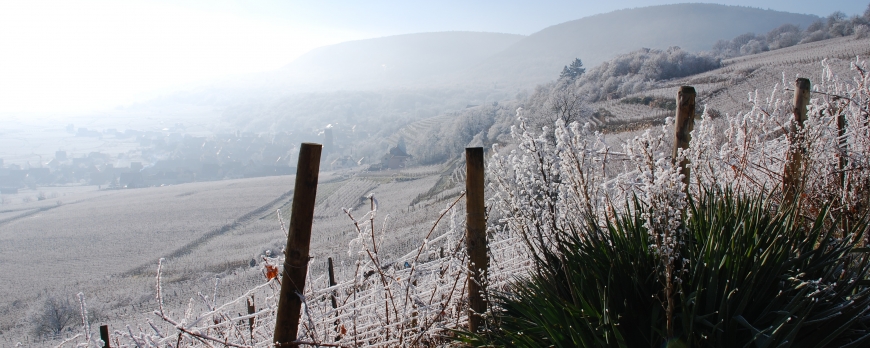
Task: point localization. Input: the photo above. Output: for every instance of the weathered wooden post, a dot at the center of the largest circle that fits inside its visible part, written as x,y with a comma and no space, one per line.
252,308
332,282
298,240
332,298
475,235
683,126
791,178
842,143
104,335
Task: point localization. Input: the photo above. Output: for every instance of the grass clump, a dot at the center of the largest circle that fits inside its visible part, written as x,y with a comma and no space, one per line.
750,274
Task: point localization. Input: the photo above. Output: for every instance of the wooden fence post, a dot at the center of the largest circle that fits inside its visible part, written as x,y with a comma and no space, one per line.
791,178
252,308
332,282
475,235
298,243
842,143
104,335
683,126
332,298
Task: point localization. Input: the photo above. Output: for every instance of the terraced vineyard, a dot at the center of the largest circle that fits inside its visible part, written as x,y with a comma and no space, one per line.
846,48
203,230
726,90
350,195
418,128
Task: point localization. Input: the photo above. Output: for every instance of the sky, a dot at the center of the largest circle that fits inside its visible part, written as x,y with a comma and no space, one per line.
77,56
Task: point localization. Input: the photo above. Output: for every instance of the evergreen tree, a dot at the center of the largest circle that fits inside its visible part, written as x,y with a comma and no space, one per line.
573,71
401,145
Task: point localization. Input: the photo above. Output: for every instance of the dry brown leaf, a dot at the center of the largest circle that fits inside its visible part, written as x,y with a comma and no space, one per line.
271,272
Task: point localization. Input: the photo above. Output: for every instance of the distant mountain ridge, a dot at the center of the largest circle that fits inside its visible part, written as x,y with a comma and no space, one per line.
694,27
395,60
431,59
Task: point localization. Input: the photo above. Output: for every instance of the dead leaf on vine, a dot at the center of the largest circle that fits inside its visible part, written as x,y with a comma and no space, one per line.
271,272
343,330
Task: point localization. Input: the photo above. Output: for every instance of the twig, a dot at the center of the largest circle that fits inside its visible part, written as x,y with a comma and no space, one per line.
68,340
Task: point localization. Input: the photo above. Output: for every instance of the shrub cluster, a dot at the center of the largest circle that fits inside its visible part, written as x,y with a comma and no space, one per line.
787,35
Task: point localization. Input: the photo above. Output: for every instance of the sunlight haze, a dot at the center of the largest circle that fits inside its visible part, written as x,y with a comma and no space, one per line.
80,56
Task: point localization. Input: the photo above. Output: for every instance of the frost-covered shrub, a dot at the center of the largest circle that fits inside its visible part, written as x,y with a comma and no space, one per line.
814,36
753,47
787,35
632,72
783,36
567,99
411,301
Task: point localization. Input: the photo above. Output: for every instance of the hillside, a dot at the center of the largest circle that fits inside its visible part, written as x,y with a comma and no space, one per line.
694,27
722,90
106,243
725,90
480,68
467,58
423,58
373,87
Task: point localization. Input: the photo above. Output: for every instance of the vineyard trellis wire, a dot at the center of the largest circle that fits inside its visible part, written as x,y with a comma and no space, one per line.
411,300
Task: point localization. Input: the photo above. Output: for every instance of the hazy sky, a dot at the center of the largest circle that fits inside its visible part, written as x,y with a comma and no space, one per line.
74,56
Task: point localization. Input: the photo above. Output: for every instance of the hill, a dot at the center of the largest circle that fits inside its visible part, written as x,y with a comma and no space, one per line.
480,59
451,70
694,27
725,90
422,58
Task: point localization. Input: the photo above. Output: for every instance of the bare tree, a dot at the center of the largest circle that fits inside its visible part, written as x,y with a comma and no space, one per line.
56,315
557,101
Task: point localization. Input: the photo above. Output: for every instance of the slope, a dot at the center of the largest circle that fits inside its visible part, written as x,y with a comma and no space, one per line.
394,60
725,90
540,57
